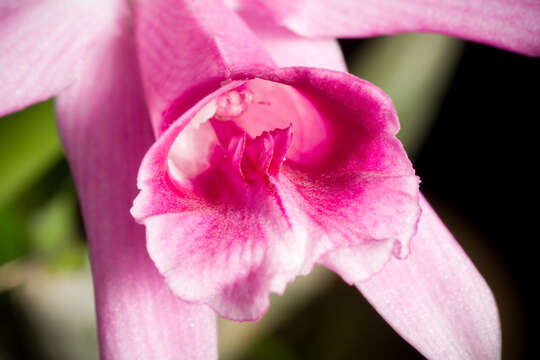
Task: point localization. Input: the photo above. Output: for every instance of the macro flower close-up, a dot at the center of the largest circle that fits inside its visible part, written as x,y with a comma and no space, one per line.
220,149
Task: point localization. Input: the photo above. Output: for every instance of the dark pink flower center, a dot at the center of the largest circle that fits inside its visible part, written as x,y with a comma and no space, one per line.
246,132
249,156
252,157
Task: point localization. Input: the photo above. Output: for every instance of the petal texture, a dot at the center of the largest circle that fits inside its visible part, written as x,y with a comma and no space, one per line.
42,42
186,49
288,48
346,195
508,24
436,299
106,130
230,257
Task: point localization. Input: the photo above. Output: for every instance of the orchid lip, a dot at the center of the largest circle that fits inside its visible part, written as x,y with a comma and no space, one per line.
230,221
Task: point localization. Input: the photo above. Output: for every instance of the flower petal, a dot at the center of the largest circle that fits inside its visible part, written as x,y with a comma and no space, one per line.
186,49
43,42
290,49
359,200
229,256
508,24
106,130
436,299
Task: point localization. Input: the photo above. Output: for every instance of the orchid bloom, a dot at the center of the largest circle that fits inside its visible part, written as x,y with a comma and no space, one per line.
255,171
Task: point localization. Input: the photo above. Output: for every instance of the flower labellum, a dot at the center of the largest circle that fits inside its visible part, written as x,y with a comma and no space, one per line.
268,176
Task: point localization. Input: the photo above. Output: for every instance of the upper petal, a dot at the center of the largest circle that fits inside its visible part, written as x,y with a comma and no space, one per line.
508,24
105,128
43,42
436,299
186,49
289,49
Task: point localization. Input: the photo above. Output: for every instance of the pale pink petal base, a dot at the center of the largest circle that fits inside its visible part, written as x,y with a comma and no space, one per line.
508,24
436,299
105,128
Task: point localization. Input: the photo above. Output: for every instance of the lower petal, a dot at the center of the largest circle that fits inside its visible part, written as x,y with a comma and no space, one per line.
436,299
105,129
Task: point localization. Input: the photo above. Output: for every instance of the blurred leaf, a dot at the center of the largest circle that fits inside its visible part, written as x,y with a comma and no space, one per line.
272,349
52,225
70,257
13,239
415,70
53,231
29,146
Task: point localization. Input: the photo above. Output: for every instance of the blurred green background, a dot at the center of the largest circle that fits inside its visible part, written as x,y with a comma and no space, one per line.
46,303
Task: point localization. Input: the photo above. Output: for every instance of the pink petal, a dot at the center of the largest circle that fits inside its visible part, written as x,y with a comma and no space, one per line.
359,221
43,43
508,24
261,151
436,299
186,49
233,140
360,200
290,49
282,142
368,119
228,242
229,256
106,130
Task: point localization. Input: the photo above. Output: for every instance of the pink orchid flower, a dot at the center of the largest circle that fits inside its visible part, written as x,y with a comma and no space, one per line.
254,173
